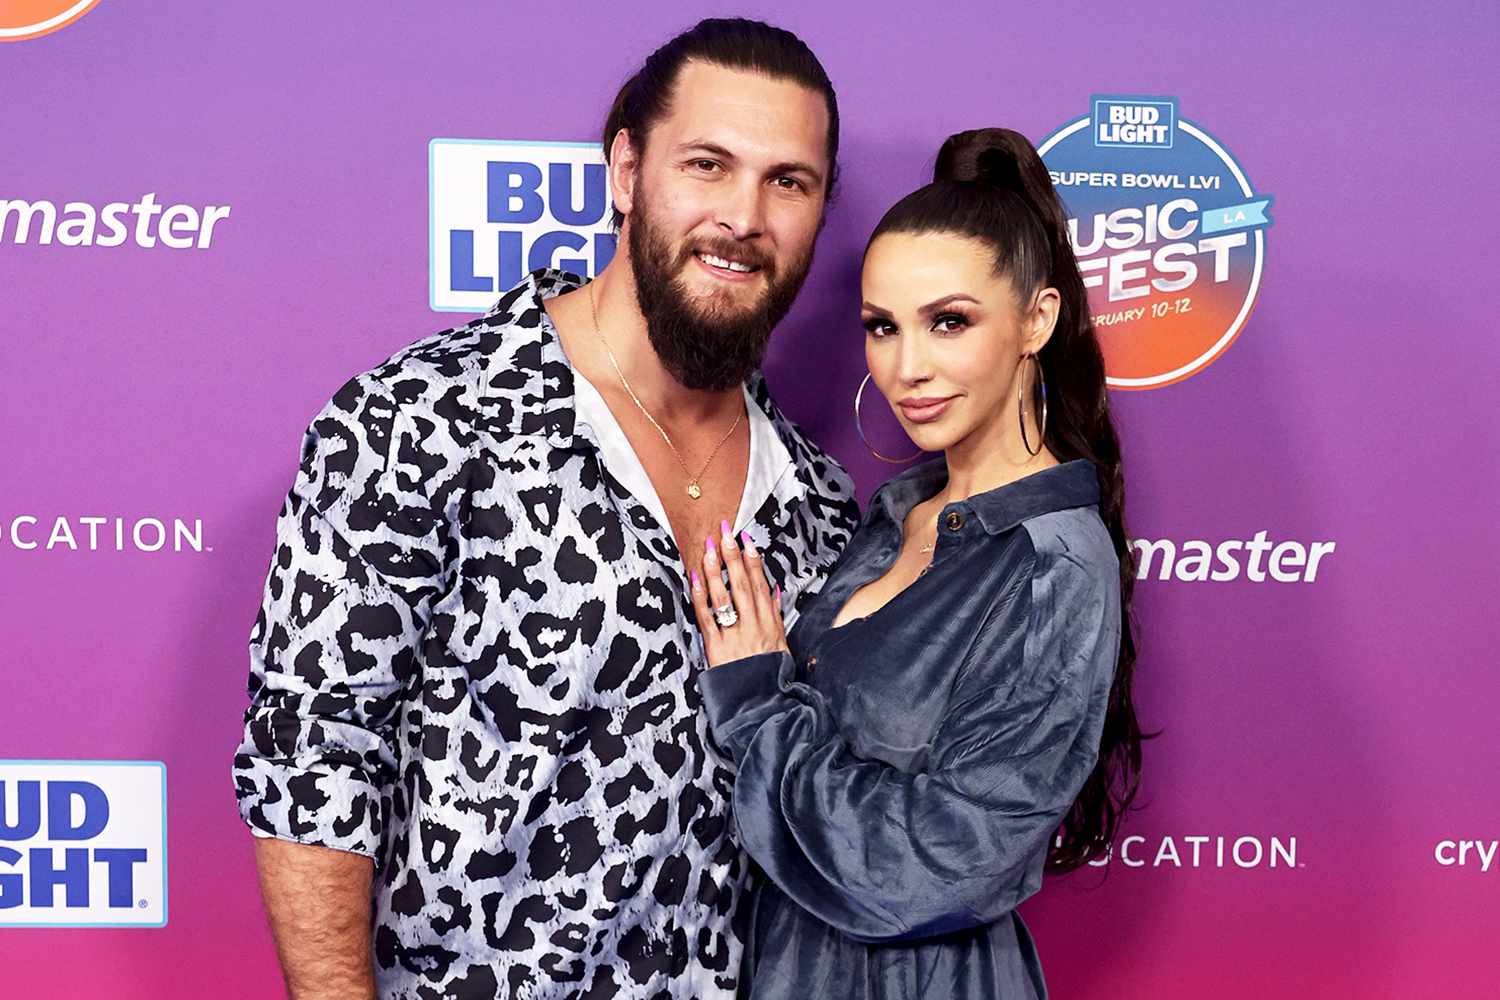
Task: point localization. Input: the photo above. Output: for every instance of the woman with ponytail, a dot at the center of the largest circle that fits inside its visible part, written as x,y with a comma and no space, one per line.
952,715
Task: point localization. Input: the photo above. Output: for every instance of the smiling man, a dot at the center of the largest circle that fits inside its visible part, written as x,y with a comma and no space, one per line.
474,755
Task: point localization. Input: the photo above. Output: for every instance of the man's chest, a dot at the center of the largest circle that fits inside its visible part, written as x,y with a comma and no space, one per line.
698,487
694,521
553,558
563,637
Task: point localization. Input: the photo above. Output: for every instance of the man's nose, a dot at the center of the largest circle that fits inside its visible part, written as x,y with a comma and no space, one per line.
741,212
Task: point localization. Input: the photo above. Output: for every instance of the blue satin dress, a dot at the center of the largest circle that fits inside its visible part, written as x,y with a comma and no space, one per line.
900,777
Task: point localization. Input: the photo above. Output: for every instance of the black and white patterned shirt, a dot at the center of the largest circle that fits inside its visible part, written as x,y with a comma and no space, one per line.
476,663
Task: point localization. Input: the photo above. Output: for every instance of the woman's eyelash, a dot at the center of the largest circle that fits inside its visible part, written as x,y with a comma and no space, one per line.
878,326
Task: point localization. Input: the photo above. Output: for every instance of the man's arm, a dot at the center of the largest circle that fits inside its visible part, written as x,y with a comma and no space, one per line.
332,662
318,902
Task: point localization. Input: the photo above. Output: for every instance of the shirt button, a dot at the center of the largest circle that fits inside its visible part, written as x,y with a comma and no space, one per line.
955,520
812,661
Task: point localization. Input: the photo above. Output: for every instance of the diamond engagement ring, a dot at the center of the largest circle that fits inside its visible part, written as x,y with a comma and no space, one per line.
726,615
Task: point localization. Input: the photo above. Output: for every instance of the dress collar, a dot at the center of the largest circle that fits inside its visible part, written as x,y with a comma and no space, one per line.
1071,484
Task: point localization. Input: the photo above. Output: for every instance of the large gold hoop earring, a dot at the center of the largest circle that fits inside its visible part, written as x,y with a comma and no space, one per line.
1021,410
858,394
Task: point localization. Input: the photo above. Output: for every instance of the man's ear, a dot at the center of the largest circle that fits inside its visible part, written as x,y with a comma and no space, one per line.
623,164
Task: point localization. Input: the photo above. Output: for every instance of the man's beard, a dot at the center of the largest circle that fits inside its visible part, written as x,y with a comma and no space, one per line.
710,346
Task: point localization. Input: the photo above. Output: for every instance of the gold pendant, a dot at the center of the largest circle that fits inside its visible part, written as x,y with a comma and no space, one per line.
694,491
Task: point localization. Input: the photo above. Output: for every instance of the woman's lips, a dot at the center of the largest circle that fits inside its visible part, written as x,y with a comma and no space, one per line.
925,409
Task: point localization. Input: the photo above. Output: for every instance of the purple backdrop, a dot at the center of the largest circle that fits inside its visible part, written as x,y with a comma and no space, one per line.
1348,719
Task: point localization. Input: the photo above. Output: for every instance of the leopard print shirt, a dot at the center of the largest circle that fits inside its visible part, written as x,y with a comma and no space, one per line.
475,662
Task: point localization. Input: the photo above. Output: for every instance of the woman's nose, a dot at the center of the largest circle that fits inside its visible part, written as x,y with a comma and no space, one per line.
913,365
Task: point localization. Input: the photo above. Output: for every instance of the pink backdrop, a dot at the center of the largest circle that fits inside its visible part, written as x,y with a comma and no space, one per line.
1346,721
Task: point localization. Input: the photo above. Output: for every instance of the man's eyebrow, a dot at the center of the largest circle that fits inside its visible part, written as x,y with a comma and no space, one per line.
704,146
787,167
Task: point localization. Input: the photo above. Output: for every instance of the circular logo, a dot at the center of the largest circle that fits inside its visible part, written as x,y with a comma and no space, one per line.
1170,236
22,19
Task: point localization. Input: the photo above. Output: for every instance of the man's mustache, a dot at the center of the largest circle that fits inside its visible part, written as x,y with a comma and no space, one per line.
731,250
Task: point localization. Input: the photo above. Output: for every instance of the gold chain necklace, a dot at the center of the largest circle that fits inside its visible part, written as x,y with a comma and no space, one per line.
693,490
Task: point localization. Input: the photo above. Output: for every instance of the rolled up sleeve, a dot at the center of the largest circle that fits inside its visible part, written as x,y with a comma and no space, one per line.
333,650
882,854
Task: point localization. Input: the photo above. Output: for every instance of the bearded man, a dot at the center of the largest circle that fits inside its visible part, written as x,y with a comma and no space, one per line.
474,754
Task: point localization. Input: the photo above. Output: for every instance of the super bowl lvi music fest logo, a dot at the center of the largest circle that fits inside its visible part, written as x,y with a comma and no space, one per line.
22,19
1169,233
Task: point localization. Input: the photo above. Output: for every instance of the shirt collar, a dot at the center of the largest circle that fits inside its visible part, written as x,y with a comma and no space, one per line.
1071,484
545,404
769,458
529,376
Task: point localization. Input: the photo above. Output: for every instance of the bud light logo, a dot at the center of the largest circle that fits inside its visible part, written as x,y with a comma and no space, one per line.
83,843
498,210
1134,123
1170,236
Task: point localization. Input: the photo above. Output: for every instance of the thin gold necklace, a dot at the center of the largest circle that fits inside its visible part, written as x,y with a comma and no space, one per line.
923,550
693,489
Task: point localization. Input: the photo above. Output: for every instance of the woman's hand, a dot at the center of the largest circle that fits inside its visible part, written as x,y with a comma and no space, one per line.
759,628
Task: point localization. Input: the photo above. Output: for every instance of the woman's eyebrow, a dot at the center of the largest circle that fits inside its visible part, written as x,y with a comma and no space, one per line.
929,308
946,300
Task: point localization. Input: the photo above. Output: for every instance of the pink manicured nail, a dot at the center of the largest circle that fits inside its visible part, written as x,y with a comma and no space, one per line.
708,547
778,593
695,579
727,531
749,544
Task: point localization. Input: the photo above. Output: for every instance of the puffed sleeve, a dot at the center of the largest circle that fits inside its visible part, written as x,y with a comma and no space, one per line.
884,855
356,564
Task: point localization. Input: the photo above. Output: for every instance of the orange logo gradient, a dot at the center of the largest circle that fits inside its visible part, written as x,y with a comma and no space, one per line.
23,19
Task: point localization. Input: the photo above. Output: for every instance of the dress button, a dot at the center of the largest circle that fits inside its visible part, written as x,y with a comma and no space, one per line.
812,661
955,520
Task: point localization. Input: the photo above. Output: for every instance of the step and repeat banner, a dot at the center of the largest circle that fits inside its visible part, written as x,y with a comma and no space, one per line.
211,215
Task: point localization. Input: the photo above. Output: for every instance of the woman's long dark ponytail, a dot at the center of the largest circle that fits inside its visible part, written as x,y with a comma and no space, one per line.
990,184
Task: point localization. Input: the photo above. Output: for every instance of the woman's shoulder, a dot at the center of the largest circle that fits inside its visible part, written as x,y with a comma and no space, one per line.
1072,543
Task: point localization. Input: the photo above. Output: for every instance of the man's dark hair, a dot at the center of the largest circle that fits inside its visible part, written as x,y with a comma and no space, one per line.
731,42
